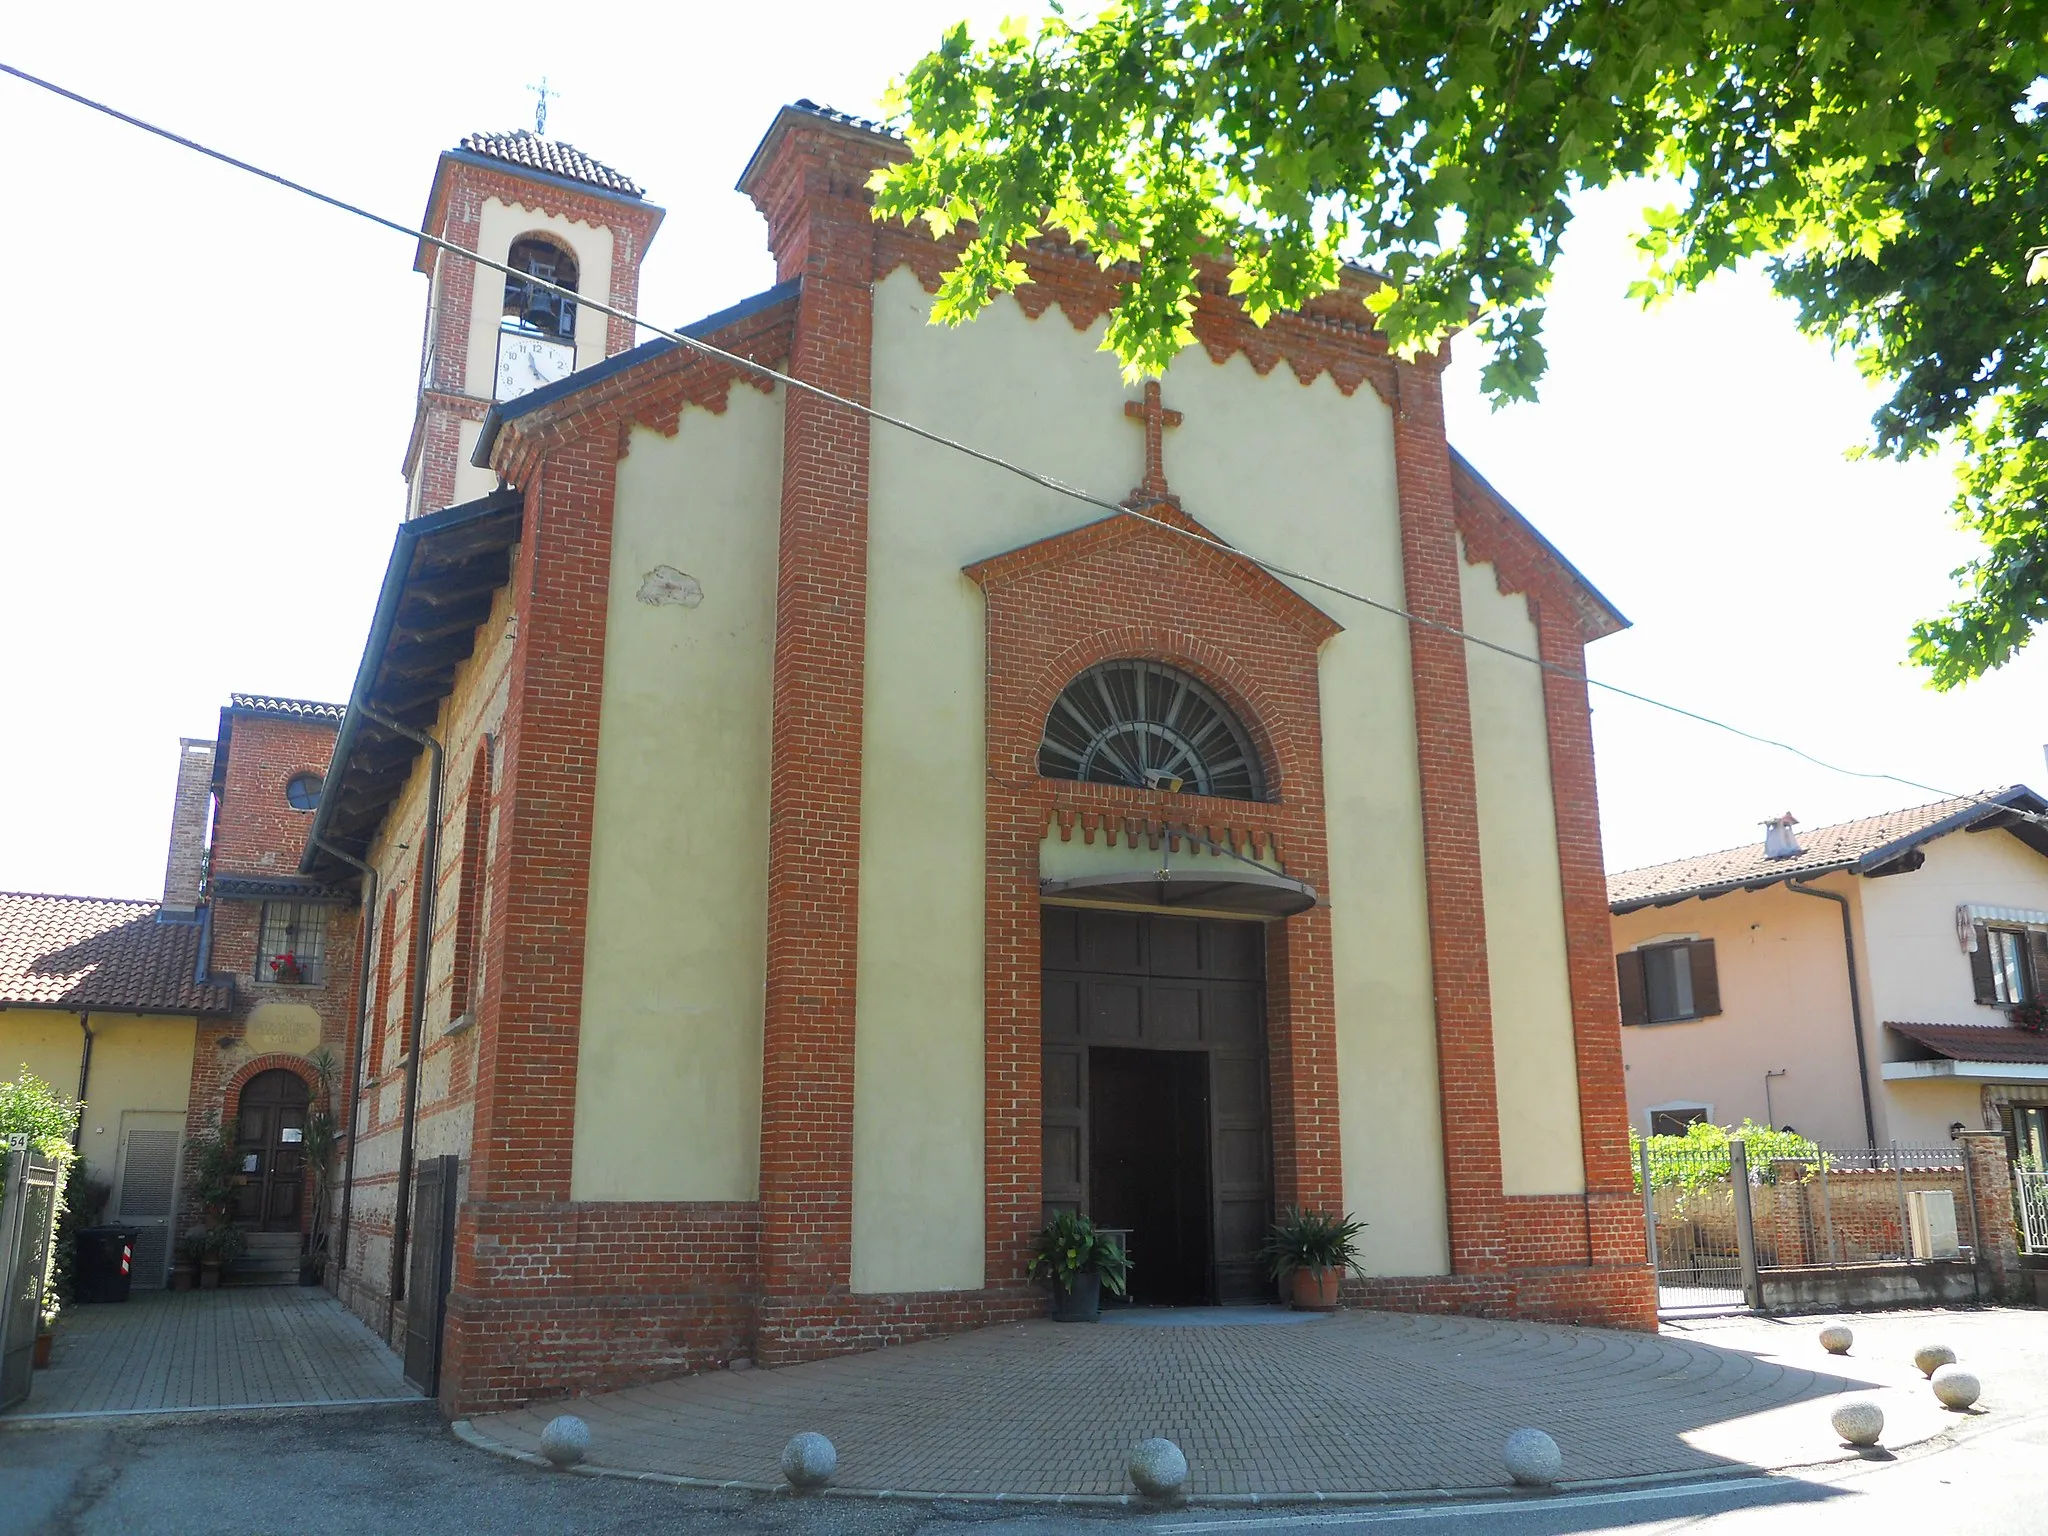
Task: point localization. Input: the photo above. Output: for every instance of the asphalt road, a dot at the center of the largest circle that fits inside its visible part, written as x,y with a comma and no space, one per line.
372,1471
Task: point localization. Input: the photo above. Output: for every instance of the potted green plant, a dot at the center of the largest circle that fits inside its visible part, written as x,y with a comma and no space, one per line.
1308,1251
191,1251
1079,1261
225,1243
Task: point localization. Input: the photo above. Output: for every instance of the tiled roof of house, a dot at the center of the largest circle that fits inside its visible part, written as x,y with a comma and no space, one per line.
552,156
1977,1042
83,952
285,709
1862,845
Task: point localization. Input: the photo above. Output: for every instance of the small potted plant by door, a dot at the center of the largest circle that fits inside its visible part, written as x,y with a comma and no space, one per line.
1080,1262
1308,1252
191,1253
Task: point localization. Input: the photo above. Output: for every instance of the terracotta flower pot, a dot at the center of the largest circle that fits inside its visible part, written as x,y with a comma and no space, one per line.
209,1275
1315,1290
42,1351
184,1276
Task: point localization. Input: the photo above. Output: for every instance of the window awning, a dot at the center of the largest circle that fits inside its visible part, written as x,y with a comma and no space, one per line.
1245,892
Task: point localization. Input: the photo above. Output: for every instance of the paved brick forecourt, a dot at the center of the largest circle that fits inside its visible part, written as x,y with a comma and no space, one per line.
175,1351
1360,1403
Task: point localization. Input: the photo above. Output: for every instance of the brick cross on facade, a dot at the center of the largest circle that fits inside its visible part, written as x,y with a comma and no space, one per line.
1157,419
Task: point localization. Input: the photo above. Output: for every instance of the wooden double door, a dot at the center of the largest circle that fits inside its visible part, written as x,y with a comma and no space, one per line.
1156,1115
270,1140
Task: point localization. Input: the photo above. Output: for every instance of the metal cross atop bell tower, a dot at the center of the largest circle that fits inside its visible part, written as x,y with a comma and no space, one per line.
544,93
1157,418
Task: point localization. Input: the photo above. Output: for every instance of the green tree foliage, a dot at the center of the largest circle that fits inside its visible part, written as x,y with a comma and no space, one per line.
1882,156
31,1107
1700,1157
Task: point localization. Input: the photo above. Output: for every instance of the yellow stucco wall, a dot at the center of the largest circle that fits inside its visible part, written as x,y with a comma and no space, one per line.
1535,1059
668,1085
139,1062
1251,447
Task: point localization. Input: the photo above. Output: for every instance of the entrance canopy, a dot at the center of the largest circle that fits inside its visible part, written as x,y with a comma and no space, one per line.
1240,892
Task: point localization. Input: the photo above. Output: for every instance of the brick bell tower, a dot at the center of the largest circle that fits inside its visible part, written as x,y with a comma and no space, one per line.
543,207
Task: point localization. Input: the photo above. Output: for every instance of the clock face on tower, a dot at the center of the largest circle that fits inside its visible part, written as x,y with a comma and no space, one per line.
526,362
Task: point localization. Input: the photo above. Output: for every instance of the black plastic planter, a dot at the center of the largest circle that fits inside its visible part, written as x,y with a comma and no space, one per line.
1083,1304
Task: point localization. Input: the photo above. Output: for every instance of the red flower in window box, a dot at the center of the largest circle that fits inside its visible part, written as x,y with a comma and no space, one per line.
287,970
2029,1016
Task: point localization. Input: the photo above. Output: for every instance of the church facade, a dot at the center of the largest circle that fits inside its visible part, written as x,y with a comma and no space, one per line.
797,857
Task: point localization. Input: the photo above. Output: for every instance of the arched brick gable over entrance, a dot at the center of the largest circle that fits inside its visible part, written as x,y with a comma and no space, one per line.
1125,586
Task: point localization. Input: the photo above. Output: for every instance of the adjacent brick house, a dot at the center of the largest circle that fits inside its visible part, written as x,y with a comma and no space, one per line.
800,857
207,1008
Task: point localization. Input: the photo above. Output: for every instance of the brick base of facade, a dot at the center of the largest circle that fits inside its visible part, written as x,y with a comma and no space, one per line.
559,1300
1591,1296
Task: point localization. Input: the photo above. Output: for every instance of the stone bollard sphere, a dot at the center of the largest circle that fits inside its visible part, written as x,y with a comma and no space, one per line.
1858,1421
1956,1387
1533,1459
1158,1469
565,1441
809,1460
1932,1357
1836,1339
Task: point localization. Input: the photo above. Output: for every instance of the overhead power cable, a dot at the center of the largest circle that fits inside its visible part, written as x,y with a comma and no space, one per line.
995,461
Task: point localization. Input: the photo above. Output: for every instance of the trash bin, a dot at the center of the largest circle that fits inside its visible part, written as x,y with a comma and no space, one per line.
105,1257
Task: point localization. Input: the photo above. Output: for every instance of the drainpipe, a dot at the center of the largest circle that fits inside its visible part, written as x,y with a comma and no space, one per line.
423,939
84,1077
1855,1002
355,1052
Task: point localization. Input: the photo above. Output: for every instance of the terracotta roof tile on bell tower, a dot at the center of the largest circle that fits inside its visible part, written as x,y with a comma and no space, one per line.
530,150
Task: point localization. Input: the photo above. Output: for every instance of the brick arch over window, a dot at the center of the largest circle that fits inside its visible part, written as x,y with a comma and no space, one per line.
1130,588
1233,685
231,1100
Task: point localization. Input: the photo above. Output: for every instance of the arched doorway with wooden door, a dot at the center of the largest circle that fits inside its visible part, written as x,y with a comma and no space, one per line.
270,1146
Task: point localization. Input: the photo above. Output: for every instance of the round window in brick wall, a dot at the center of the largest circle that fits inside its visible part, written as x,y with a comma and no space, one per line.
1151,727
303,792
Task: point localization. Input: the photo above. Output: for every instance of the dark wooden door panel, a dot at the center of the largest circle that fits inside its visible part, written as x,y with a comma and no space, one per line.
1121,987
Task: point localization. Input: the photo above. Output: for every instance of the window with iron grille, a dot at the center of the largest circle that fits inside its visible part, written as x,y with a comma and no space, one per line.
291,948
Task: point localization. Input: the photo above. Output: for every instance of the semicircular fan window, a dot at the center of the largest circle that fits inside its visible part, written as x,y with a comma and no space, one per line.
1151,727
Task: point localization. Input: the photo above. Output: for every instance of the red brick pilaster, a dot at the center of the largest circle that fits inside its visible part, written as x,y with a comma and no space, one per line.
1613,1214
529,1012
1450,824
811,191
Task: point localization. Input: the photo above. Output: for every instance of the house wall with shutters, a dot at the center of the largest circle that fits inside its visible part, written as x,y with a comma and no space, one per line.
139,1062
1919,971
1784,994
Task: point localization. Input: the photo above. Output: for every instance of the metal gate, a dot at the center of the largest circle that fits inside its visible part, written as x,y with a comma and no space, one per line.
430,1268
28,1203
2030,1196
1698,1227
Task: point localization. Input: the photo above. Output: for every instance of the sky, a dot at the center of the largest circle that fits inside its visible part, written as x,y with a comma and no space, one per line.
209,382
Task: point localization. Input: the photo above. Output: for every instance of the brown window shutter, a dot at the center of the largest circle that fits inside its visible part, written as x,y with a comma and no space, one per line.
1706,978
2037,964
1980,967
1635,996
